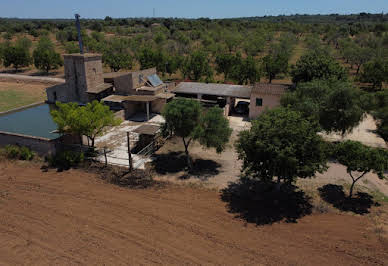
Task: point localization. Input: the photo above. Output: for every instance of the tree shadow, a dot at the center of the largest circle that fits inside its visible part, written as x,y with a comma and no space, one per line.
172,162
335,195
175,162
13,71
121,176
264,203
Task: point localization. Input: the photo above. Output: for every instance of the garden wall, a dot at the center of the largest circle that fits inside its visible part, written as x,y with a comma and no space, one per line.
41,146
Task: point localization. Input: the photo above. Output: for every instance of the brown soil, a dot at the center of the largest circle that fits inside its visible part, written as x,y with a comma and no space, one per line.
75,218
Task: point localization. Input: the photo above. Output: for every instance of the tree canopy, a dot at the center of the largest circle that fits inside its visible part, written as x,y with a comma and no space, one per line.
116,55
334,104
225,63
90,120
375,72
186,119
45,57
380,112
360,160
196,65
282,144
274,64
16,56
317,65
246,70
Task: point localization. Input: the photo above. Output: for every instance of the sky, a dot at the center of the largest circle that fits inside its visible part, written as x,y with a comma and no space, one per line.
183,8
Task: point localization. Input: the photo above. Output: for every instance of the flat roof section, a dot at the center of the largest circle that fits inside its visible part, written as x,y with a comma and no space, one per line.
165,95
114,98
225,90
129,98
100,88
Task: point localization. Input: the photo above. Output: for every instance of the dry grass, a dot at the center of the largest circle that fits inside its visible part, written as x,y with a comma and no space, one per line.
14,95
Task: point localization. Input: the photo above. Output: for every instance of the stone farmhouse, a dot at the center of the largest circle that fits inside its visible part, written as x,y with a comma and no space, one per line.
262,96
130,93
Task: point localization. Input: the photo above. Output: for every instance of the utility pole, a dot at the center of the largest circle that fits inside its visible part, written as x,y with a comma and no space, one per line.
78,25
129,153
153,12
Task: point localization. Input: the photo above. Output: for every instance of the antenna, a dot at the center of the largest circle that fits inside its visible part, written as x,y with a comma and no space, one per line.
78,25
154,12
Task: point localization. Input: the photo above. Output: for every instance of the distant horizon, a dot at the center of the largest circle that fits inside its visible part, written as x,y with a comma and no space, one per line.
185,9
262,16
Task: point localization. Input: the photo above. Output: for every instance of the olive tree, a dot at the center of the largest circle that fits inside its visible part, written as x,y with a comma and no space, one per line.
186,119
380,112
117,56
282,144
334,104
45,57
360,160
317,65
375,72
225,62
90,120
197,65
96,117
274,64
16,56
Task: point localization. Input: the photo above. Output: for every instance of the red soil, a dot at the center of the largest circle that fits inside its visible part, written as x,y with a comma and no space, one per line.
75,218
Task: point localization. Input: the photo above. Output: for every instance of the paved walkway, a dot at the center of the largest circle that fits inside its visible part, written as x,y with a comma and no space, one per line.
115,140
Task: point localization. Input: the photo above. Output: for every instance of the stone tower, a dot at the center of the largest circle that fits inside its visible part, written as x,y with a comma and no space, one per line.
83,74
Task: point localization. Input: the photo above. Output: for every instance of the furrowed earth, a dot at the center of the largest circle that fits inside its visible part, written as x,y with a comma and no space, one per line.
74,217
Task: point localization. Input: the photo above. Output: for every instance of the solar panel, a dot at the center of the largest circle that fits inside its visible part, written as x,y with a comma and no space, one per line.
154,80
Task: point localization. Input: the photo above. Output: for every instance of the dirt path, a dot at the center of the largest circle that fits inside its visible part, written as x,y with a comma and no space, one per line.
25,78
74,218
364,133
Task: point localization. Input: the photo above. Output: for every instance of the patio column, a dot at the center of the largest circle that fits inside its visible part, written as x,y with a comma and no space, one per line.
148,111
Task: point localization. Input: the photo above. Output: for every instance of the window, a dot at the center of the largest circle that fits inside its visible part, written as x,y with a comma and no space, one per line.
259,102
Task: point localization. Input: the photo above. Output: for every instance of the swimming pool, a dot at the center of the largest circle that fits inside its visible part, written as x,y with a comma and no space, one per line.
33,121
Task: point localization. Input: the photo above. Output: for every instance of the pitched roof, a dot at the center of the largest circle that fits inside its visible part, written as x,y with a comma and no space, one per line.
214,89
273,89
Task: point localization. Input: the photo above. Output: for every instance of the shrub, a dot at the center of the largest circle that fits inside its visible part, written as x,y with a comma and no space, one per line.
66,159
18,152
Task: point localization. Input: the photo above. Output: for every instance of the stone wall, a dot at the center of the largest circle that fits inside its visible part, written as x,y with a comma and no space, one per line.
82,72
157,105
126,84
123,84
130,108
269,101
58,93
41,146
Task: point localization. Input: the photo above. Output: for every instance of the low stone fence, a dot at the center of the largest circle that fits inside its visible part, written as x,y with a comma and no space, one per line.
42,146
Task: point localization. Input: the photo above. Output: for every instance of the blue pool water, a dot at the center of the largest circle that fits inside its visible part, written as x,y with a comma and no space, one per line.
35,121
